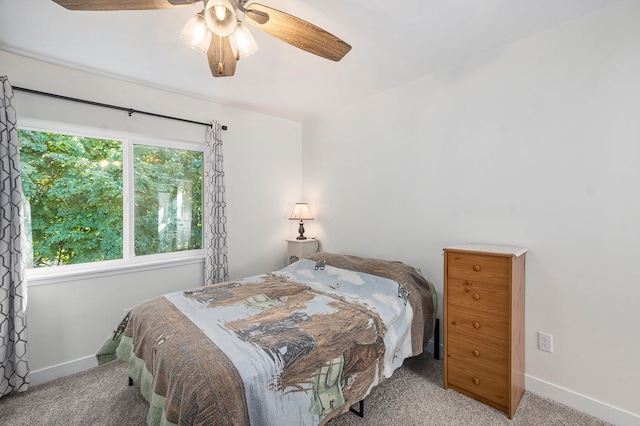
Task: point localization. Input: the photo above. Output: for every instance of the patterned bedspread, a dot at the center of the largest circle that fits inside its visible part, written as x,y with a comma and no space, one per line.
297,346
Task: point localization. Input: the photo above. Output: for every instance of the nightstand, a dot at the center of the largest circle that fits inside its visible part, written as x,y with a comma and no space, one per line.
299,249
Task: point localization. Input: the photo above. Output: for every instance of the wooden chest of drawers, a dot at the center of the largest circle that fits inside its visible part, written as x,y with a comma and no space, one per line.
484,323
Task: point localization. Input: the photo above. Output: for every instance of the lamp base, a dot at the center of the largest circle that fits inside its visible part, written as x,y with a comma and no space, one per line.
301,232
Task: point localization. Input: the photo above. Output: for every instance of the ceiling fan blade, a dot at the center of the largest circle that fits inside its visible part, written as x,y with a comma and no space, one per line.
222,61
259,17
298,33
122,4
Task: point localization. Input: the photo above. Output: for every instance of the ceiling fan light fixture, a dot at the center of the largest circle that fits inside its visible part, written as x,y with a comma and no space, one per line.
196,34
220,16
242,42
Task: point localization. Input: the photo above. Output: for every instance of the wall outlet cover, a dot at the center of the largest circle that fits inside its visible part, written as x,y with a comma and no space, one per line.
545,342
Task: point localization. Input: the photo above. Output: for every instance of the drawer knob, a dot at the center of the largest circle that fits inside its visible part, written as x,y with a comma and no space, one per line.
475,352
476,268
476,381
476,324
476,296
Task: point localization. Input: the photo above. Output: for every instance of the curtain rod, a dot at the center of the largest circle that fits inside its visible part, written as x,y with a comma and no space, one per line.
130,111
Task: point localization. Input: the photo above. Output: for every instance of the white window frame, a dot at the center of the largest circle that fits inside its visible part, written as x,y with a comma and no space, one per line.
129,262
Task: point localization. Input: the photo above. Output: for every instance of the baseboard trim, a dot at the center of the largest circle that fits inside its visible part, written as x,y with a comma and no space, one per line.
580,402
55,372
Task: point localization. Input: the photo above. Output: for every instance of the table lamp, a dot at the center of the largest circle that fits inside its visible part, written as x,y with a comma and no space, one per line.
301,212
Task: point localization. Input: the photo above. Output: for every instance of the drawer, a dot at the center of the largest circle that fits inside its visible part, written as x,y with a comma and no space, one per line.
478,381
485,268
470,351
478,325
484,297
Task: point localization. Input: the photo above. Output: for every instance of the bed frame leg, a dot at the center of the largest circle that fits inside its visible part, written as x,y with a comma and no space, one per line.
130,381
436,340
361,412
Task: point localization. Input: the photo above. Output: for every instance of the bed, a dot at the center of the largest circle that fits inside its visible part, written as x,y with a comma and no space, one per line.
297,346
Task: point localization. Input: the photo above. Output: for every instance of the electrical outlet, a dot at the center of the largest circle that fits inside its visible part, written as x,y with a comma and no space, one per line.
545,342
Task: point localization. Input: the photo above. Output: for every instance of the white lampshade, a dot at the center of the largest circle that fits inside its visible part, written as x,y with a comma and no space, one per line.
220,16
301,212
242,42
196,34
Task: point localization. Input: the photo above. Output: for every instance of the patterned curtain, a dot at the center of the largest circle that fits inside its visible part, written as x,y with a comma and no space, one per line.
216,267
13,286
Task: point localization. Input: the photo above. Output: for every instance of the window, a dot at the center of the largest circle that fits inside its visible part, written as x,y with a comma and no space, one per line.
72,188
168,199
76,190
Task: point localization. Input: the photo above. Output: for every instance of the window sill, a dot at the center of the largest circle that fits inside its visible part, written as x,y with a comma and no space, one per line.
36,277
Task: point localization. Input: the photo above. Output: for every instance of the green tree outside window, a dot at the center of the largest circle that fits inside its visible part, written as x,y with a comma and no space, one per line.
73,190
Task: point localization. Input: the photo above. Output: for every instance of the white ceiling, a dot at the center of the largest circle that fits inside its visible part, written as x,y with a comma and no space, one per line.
393,42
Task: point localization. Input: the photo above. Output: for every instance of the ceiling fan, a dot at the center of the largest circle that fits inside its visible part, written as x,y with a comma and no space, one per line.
217,32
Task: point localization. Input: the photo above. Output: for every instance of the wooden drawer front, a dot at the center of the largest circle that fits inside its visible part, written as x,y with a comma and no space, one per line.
492,269
478,325
470,351
478,381
470,294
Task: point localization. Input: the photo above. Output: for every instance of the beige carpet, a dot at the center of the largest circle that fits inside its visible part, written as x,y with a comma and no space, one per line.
413,396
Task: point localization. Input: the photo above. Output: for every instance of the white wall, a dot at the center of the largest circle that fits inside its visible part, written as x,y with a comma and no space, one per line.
536,144
68,321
